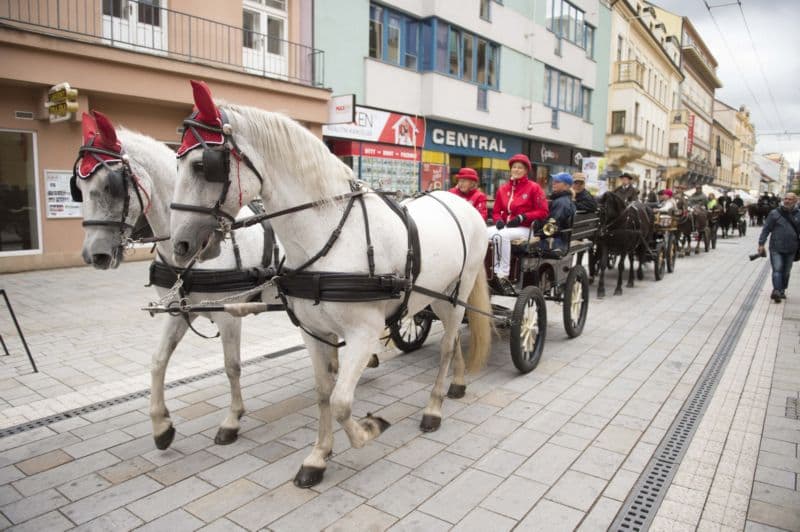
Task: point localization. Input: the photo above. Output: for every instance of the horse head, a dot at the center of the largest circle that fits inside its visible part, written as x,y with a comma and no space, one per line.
610,207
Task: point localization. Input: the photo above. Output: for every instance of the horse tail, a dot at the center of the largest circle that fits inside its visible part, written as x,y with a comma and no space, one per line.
480,325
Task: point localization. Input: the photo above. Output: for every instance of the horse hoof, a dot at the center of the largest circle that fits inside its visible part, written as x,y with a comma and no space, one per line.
618,292
226,436
601,295
374,424
430,423
308,476
164,440
457,391
373,361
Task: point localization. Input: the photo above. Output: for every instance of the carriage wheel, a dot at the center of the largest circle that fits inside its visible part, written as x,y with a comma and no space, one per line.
659,261
528,329
671,246
707,239
576,301
714,238
409,333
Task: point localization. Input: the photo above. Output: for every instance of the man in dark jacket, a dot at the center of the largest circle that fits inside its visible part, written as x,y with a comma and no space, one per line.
584,201
562,209
626,190
783,223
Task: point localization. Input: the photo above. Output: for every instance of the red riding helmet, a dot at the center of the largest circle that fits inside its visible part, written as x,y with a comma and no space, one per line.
520,158
467,173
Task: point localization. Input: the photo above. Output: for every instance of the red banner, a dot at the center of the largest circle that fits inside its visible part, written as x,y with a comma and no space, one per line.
434,177
690,141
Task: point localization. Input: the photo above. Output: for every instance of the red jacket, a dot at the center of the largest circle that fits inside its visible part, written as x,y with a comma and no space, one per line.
475,197
520,196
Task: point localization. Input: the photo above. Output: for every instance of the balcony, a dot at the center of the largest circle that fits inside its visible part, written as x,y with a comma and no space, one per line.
144,28
679,117
629,71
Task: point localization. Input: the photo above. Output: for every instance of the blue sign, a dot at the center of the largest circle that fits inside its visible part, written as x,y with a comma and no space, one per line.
460,140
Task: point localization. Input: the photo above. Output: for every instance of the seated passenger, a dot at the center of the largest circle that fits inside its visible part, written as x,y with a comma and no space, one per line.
517,205
467,188
562,209
584,201
665,202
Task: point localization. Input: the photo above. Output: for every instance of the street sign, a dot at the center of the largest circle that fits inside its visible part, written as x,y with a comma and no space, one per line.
62,102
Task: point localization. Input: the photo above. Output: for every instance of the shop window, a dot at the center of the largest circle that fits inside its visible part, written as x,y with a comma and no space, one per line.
19,222
617,122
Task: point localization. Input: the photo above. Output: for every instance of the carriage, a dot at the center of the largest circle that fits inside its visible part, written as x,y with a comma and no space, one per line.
664,244
538,275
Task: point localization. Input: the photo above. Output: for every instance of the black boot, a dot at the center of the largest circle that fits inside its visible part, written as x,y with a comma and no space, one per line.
776,296
508,287
783,294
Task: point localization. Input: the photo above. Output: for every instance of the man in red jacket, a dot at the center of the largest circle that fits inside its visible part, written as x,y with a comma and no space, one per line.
467,188
518,204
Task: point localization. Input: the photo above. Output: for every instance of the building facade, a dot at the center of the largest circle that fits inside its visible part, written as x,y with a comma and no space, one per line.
723,142
738,121
645,79
133,61
481,79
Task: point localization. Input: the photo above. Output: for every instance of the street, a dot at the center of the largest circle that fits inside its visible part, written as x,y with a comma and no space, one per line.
560,448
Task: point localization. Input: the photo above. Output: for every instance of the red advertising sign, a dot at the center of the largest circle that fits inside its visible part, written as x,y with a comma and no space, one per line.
381,151
690,141
434,177
380,126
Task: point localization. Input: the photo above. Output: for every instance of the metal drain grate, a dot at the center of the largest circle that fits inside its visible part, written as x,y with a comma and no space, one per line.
61,416
792,408
642,504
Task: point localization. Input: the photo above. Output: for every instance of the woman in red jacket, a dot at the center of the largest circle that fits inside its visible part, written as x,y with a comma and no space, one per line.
467,188
517,205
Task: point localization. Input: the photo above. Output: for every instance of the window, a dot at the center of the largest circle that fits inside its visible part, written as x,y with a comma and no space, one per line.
376,32
588,41
563,92
113,7
673,149
150,12
19,230
618,122
412,44
486,10
467,62
455,44
275,35
393,40
587,104
619,47
250,27
567,22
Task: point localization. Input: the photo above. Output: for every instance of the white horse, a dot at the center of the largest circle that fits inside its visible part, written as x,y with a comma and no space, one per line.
296,169
148,190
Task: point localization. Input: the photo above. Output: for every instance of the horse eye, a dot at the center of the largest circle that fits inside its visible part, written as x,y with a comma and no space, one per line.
197,167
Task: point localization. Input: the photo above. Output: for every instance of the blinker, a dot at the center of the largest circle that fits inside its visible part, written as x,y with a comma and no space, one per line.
216,164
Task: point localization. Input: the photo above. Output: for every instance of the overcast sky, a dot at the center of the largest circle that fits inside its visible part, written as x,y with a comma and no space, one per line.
749,70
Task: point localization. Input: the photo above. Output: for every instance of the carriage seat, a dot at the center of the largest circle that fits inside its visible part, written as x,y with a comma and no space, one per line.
582,227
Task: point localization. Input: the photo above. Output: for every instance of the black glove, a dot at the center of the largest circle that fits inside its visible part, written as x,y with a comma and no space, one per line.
517,220
536,225
500,224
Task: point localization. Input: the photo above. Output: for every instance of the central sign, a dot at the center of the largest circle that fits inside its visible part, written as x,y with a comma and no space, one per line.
461,140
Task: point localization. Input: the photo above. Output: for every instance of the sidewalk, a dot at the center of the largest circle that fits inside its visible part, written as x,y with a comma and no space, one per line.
557,449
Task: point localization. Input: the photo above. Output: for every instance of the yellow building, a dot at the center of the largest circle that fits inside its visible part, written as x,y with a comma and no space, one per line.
133,61
738,121
723,142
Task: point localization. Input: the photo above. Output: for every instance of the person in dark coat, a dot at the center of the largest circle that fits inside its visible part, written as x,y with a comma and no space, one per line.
738,201
782,223
584,201
626,190
562,209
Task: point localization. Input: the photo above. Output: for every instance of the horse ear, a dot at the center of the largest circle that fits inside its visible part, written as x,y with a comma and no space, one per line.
207,111
106,129
89,127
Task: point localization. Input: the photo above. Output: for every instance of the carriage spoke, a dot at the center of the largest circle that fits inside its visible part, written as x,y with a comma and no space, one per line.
577,302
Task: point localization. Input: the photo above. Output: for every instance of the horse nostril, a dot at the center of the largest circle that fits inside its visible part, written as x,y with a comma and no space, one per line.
101,260
181,249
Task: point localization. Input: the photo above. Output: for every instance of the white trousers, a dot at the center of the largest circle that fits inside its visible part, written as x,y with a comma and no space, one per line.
506,234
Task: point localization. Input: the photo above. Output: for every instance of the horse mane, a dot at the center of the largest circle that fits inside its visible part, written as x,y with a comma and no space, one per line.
291,147
148,153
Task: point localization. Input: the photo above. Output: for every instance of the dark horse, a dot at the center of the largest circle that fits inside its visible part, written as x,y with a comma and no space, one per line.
693,223
729,217
758,211
625,230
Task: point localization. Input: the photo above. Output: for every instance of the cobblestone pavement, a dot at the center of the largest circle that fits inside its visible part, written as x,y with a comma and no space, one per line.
557,449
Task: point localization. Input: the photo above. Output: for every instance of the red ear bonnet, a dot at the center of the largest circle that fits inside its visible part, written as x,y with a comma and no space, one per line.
206,113
98,132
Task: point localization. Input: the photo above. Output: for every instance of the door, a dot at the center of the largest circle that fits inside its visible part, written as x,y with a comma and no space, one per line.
139,24
264,46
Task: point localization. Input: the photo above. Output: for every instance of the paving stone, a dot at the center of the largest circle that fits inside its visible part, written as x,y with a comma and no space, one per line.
415,452
599,462
278,472
84,486
8,495
10,474
617,439
184,467
375,478
51,522
272,451
98,443
472,446
480,520
170,498
319,512
176,521
268,507
788,498
31,507
232,469
418,521
548,463
358,459
38,449
221,525
776,477
777,516
499,462
443,467
133,448
524,441
224,500
43,462
126,470
459,496
118,520
404,495
549,515
577,490
621,485
64,473
110,499
514,497
363,518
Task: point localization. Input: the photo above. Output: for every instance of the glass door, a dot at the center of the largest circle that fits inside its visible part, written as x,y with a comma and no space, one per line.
19,220
130,24
264,45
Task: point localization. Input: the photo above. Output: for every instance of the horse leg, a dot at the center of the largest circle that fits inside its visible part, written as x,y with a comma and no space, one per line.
621,270
450,317
640,269
631,269
352,362
174,329
601,265
230,332
323,360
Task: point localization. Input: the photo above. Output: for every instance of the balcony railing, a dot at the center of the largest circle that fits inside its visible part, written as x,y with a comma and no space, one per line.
679,116
630,71
146,28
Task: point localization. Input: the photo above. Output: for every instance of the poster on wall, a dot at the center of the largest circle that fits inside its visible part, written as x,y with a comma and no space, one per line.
594,168
390,167
380,126
59,198
434,177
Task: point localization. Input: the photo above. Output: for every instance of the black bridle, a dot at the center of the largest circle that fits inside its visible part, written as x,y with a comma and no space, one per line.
216,165
120,179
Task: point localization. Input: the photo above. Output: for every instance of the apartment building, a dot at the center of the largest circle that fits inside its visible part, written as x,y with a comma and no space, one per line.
441,85
645,81
723,141
738,122
691,154
133,61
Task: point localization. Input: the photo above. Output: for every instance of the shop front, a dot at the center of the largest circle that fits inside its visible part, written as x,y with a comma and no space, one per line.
383,148
449,147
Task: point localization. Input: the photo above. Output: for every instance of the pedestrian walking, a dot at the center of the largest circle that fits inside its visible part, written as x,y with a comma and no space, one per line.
783,228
